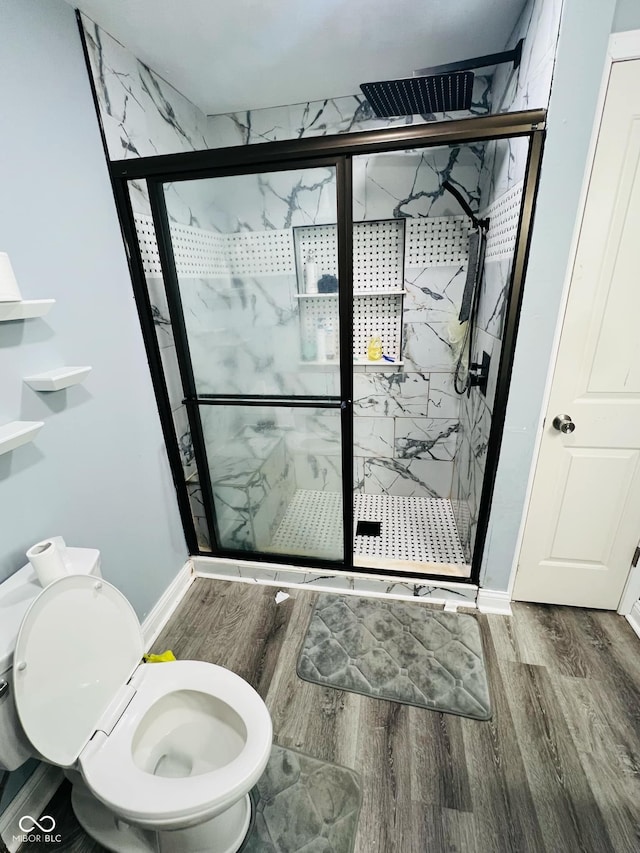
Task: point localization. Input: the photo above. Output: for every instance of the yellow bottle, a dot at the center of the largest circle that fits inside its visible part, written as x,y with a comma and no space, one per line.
374,348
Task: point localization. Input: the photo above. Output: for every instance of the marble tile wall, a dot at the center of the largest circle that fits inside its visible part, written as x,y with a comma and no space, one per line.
243,329
503,169
529,86
142,115
321,118
251,476
186,208
406,420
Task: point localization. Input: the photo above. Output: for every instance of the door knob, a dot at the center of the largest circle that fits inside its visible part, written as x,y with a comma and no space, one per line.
563,423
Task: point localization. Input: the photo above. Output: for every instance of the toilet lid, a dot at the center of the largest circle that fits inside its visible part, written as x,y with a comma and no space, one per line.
78,644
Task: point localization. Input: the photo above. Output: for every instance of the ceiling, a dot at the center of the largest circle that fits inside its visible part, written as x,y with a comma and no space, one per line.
246,54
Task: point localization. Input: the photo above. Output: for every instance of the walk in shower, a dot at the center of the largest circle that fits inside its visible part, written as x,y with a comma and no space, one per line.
302,308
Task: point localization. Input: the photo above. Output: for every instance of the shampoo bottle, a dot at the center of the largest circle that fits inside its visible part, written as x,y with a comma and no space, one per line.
374,348
321,337
329,342
310,274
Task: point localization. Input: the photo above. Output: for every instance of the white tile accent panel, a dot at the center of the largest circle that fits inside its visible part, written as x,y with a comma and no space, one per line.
437,240
504,215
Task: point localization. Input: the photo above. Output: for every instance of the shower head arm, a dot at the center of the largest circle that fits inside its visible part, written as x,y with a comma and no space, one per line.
464,204
479,62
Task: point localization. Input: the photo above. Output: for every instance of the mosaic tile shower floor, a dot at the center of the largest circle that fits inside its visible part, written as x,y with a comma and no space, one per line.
418,530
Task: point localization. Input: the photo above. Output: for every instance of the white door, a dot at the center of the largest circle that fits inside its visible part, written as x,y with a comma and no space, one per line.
583,521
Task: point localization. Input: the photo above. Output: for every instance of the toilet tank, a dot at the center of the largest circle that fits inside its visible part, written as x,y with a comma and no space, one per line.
16,594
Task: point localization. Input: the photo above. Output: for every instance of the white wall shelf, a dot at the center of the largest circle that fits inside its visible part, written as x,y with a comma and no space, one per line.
57,379
26,309
14,434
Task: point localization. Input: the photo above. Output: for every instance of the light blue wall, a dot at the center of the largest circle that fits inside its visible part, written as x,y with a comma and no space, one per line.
97,474
627,16
584,33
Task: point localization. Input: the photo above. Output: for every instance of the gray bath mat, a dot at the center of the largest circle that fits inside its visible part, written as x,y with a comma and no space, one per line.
398,651
302,804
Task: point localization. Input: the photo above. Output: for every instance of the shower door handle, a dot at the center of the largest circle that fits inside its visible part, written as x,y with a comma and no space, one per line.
563,423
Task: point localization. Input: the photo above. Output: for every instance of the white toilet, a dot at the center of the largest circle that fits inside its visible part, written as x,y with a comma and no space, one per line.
162,756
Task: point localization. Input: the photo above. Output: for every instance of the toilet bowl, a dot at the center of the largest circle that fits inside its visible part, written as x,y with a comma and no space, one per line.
164,754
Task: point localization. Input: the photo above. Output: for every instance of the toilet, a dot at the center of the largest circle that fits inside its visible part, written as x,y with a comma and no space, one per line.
161,756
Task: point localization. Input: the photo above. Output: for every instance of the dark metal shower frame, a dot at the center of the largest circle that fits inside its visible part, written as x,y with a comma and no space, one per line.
337,151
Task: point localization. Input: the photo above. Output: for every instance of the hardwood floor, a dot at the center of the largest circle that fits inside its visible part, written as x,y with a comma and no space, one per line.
557,768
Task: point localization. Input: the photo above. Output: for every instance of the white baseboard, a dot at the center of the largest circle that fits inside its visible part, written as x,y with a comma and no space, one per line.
494,601
633,618
160,613
31,799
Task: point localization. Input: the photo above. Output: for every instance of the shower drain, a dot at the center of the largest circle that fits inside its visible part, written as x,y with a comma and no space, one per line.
369,528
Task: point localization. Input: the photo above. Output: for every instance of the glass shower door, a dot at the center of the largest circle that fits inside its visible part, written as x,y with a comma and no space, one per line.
250,264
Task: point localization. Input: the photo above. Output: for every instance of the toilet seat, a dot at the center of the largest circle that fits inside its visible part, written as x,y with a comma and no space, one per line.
78,644
82,695
110,772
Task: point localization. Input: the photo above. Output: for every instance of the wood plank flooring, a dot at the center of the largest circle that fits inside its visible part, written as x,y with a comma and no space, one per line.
557,768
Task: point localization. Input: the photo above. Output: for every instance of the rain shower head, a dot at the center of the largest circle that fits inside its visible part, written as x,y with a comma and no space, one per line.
441,93
441,89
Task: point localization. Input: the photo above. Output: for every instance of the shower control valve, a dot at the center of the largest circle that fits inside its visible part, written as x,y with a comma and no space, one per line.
479,373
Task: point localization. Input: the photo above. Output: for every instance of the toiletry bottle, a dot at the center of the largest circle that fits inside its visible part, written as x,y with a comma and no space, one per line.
330,342
321,352
309,349
374,348
310,274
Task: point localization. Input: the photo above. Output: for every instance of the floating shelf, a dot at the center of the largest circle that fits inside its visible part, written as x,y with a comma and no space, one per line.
356,293
57,379
14,434
25,309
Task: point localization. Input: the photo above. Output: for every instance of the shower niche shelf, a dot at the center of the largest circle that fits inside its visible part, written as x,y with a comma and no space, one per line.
359,364
26,309
378,282
16,433
356,293
57,379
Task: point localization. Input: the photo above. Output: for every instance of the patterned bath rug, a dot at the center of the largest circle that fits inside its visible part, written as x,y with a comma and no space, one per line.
303,804
397,650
